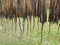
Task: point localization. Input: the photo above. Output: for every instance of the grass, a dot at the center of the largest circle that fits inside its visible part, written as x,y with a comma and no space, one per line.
9,37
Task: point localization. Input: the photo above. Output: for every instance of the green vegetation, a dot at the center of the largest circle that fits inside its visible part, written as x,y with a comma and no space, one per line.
9,37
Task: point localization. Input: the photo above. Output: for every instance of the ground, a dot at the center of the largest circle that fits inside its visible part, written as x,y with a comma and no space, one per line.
8,36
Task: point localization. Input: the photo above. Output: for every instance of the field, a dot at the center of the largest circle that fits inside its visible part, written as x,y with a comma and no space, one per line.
8,36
